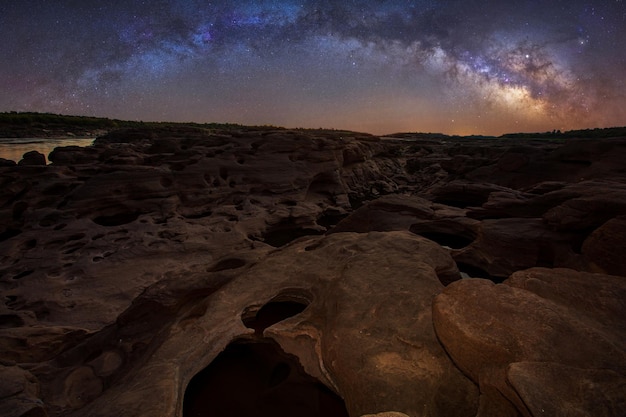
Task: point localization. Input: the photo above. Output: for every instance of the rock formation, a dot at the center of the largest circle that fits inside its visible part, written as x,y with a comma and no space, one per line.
181,271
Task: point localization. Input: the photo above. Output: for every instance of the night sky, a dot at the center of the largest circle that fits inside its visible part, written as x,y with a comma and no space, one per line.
451,66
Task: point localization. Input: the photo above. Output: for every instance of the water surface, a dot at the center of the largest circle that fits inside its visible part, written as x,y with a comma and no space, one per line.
14,148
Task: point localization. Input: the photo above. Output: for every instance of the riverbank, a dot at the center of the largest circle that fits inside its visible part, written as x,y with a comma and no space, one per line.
13,149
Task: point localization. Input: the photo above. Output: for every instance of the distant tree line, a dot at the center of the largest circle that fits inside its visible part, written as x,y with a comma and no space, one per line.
598,133
28,124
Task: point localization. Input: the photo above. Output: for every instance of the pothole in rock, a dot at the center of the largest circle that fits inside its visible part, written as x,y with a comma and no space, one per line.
461,201
272,313
446,240
23,274
226,264
117,219
329,220
281,307
446,233
8,321
258,379
286,232
471,271
8,234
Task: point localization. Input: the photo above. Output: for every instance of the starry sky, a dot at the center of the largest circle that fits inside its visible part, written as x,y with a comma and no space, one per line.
451,66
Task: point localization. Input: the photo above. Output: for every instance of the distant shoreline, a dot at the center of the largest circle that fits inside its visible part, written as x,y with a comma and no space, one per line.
46,125
13,149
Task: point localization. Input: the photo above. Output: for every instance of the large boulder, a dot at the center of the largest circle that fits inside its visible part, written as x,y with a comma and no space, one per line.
604,248
353,309
513,339
33,158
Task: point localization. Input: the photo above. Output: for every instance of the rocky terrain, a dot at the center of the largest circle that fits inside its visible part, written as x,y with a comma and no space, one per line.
271,272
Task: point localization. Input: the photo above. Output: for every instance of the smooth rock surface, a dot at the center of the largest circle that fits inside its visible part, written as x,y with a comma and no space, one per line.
554,318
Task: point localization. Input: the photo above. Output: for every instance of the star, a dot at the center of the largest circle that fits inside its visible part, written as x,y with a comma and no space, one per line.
320,63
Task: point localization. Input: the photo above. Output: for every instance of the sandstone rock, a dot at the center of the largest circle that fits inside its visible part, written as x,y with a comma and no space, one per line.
6,163
337,329
33,158
554,318
463,194
568,391
19,393
570,161
596,203
73,155
604,248
503,246
388,213
135,268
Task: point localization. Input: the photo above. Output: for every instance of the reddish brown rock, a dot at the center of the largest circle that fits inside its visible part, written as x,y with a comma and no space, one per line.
19,393
346,321
5,163
604,248
33,158
596,203
578,392
556,318
139,267
388,213
503,246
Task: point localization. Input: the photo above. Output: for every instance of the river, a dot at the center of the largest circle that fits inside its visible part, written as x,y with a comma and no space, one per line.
14,148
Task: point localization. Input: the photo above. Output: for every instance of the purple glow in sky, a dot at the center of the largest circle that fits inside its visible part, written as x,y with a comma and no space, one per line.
458,67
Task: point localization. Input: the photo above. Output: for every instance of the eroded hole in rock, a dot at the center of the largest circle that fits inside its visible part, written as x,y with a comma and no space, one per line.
281,237
329,220
258,380
8,234
23,274
578,241
198,215
30,244
545,256
461,201
286,232
72,249
226,264
8,321
223,173
317,245
117,219
448,277
471,271
10,300
273,312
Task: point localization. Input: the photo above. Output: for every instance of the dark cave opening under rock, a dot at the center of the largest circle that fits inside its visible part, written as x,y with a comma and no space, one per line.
117,219
258,379
282,235
446,239
329,220
273,312
476,272
460,202
8,234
